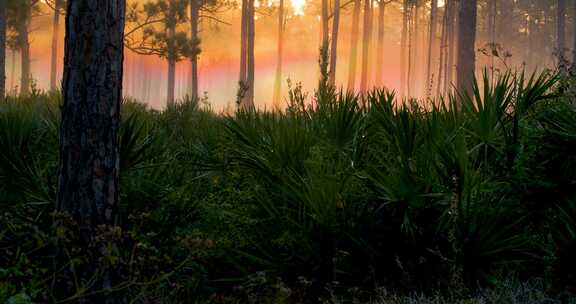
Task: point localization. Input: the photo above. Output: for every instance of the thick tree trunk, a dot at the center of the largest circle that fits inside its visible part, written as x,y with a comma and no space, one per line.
403,44
194,14
561,34
366,40
380,47
334,42
278,79
466,46
2,48
354,46
22,28
54,47
89,131
431,46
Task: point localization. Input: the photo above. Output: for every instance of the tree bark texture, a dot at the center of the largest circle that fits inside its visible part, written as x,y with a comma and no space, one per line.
89,131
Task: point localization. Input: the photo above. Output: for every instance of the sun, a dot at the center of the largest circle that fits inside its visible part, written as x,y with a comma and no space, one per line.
298,7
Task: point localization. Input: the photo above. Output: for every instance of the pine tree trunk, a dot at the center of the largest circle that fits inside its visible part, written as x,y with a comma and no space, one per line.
325,26
54,48
250,57
431,46
403,44
561,34
354,46
366,39
466,46
22,28
443,42
2,48
89,131
574,42
450,55
278,79
334,42
380,47
171,32
243,40
194,14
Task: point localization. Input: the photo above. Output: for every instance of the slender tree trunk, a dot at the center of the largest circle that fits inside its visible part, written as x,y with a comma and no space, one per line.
243,43
334,42
380,47
449,69
250,57
54,48
354,46
574,42
325,26
89,143
171,32
443,42
2,48
22,28
403,44
561,34
278,79
366,40
466,46
431,46
413,48
194,12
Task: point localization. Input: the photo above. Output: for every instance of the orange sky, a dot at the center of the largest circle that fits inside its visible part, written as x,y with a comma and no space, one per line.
145,76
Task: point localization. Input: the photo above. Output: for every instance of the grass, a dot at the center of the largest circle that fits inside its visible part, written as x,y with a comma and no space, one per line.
336,199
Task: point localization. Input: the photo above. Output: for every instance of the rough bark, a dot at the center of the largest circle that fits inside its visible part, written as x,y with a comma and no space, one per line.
194,17
431,46
54,47
89,131
380,47
466,46
366,40
354,46
2,48
278,79
334,42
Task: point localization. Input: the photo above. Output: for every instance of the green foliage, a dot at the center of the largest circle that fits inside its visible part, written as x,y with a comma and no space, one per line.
334,196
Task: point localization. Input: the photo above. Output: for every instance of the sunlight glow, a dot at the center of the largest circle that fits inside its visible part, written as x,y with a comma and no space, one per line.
298,7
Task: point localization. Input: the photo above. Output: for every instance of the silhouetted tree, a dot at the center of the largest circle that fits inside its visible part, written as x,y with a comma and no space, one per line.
89,140
354,45
466,46
278,79
431,45
366,41
167,41
19,17
2,48
334,42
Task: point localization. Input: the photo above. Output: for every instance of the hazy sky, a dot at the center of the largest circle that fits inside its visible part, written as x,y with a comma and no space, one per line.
145,76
